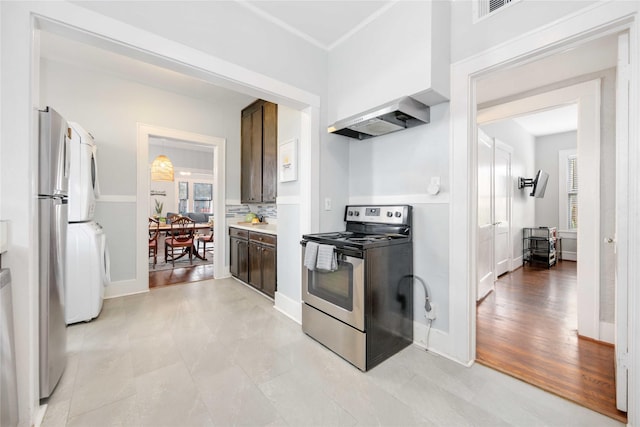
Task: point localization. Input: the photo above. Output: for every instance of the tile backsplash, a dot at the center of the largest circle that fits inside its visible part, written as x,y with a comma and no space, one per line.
239,211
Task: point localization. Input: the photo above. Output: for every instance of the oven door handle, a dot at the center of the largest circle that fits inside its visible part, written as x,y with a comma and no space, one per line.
343,250
349,251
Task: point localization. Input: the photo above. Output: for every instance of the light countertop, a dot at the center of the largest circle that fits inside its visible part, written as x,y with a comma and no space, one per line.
260,228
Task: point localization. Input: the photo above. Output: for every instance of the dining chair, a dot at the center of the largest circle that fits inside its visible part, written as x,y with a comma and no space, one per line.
154,231
180,237
204,239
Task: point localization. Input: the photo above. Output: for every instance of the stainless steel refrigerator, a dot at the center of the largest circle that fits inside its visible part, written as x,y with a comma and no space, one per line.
53,188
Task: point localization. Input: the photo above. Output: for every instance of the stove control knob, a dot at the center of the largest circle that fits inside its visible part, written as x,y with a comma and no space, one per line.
398,214
389,214
350,213
357,213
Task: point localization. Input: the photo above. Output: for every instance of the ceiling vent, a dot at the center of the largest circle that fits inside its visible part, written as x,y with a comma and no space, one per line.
488,7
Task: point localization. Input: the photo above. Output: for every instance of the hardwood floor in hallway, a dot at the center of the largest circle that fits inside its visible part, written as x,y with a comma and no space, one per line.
527,328
180,275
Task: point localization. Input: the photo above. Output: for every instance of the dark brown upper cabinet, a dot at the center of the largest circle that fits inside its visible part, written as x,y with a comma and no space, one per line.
259,153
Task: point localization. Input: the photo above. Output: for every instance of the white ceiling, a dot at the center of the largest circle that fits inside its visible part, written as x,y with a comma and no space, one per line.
549,122
323,23
520,81
326,23
62,49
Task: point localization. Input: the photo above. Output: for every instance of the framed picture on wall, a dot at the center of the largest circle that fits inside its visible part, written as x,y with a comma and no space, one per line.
288,161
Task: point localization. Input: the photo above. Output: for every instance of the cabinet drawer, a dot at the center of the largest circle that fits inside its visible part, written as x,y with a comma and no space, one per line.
267,239
237,232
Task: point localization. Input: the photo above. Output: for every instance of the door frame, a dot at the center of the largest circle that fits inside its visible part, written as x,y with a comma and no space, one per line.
587,97
490,276
590,23
500,145
218,144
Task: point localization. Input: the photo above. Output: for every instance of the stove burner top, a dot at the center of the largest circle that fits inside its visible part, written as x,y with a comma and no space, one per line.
369,238
355,238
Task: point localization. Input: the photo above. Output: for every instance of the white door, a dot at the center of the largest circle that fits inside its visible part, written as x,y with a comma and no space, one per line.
502,207
620,240
485,248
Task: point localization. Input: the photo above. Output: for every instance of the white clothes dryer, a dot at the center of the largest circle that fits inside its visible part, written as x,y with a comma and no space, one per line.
87,272
83,175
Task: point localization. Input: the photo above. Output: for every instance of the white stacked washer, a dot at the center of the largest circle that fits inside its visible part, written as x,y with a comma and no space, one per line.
87,252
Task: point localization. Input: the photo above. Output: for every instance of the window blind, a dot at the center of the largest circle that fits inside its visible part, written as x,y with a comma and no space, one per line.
572,191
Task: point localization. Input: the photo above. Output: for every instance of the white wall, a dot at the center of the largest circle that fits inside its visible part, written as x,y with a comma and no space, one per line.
73,91
547,148
230,32
183,159
522,165
378,64
239,39
469,38
396,169
288,295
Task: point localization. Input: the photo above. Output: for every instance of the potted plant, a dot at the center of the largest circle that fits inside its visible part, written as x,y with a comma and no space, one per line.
158,208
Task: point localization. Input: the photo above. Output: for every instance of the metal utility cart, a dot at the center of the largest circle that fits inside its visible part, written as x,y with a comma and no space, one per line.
539,246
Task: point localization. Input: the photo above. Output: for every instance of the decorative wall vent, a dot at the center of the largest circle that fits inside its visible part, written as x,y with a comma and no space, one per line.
487,7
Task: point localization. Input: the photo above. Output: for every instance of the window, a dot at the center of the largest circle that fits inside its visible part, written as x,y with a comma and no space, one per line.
568,190
202,196
183,197
195,194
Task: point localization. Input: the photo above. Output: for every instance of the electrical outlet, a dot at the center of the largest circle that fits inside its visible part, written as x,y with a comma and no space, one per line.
431,315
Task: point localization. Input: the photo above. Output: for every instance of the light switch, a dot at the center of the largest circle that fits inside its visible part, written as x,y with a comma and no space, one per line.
327,204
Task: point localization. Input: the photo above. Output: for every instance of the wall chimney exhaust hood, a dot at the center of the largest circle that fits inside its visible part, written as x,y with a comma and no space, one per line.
400,114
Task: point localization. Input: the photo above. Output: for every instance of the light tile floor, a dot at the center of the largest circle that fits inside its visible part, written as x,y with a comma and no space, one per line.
217,353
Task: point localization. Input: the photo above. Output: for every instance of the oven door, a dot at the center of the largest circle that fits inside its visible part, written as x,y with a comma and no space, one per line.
340,293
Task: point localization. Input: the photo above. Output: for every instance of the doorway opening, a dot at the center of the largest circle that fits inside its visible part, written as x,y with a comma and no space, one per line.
527,323
191,195
563,301
198,162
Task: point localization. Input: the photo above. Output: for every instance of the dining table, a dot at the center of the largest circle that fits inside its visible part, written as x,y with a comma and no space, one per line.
198,227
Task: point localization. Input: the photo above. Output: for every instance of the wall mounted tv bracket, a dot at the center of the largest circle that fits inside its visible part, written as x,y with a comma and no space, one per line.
525,182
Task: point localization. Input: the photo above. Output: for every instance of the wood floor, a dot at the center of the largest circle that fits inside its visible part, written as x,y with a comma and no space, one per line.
527,328
180,275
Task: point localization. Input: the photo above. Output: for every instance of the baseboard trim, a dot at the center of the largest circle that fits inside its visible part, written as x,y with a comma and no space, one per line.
607,332
289,307
123,288
568,256
439,342
224,274
516,263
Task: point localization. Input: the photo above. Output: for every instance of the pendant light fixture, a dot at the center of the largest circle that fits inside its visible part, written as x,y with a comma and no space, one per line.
162,168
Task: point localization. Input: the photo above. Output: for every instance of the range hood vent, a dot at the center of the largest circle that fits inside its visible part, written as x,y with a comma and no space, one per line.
400,114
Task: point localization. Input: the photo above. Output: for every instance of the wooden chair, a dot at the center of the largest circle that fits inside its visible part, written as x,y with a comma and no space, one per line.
180,237
154,231
204,239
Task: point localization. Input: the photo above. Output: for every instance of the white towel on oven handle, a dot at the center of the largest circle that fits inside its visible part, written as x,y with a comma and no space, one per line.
327,259
311,255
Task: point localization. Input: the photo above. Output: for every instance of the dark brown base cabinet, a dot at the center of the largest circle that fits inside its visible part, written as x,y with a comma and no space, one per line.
254,259
239,253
